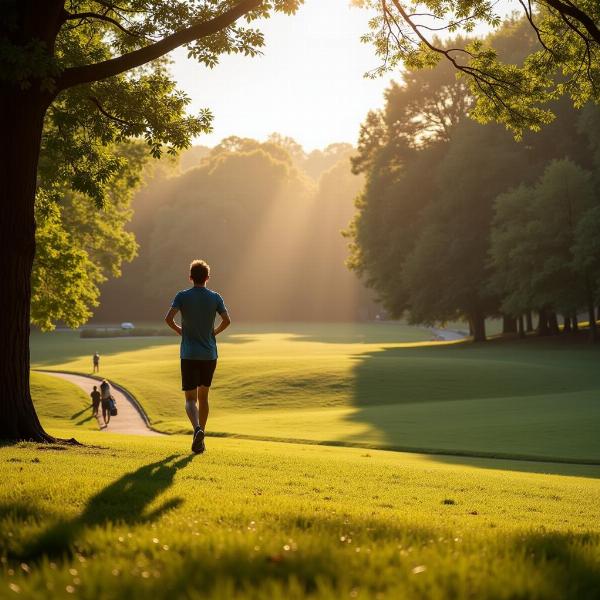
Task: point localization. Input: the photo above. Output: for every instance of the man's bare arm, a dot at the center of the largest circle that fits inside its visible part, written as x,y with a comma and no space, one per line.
169,320
225,323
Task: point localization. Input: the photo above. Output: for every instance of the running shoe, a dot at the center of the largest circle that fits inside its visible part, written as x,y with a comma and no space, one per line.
198,441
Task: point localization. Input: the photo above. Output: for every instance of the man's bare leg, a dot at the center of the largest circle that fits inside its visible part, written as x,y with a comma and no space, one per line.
191,408
203,405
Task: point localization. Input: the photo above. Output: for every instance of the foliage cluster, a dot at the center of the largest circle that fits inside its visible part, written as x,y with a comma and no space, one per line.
563,60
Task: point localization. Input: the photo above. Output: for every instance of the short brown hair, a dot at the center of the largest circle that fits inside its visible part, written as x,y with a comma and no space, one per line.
199,271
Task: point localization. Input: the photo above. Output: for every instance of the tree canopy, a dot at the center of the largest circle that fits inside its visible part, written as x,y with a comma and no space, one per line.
464,222
564,59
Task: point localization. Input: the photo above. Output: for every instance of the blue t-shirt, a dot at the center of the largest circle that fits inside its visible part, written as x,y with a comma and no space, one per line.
199,307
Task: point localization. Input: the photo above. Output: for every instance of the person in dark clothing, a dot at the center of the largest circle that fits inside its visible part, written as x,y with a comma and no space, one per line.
96,362
199,307
105,399
95,401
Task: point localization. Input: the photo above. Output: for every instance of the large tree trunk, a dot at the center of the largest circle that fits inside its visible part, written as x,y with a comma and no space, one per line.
477,327
529,321
521,323
553,323
509,324
543,328
21,122
592,318
567,324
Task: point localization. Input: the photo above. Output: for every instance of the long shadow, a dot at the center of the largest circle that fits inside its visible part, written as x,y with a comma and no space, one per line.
79,413
84,420
123,501
511,400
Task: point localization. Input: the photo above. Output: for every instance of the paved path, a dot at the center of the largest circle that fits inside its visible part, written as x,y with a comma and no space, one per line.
447,335
129,419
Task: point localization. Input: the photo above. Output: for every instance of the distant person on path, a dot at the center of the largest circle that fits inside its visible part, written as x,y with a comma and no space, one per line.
95,401
199,307
96,361
105,398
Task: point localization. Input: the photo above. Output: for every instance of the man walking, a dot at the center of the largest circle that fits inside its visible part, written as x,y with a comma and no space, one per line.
198,306
96,362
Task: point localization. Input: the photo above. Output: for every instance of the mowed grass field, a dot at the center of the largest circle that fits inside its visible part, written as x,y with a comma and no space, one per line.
127,517
133,517
375,385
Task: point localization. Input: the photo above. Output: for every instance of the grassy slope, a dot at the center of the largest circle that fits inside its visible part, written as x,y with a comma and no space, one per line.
256,520
61,403
357,385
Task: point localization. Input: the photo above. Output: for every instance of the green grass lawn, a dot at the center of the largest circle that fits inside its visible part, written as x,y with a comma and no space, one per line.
60,403
378,385
127,517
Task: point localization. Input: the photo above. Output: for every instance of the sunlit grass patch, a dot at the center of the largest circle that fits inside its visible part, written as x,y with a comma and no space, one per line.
371,384
129,517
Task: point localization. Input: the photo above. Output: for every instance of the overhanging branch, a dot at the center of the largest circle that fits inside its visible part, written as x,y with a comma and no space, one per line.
95,72
571,10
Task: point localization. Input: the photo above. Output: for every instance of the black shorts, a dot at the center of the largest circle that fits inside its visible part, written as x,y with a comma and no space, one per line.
196,372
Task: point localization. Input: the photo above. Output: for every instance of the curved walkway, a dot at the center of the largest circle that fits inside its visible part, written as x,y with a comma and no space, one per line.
129,420
447,335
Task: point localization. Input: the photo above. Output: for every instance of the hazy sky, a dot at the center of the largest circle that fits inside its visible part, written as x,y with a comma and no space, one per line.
308,85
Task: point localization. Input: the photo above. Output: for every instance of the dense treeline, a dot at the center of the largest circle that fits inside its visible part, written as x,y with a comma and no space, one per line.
458,220
266,216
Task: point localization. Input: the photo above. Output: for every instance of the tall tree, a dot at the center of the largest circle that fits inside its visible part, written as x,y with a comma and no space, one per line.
446,272
90,70
542,249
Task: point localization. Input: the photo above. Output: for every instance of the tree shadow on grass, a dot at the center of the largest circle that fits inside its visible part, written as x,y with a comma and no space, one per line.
123,501
465,403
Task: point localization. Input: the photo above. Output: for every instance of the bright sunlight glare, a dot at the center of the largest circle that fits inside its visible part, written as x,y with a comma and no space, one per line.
309,84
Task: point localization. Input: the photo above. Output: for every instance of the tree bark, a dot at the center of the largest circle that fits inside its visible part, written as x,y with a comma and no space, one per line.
543,328
592,318
567,324
21,122
477,327
575,323
521,327
509,324
553,323
529,321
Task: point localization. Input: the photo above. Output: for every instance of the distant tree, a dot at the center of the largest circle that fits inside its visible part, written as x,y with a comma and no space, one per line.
447,271
586,261
541,249
400,149
260,222
90,75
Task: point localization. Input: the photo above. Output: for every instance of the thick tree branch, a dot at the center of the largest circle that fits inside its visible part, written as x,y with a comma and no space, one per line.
89,73
572,11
